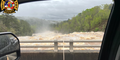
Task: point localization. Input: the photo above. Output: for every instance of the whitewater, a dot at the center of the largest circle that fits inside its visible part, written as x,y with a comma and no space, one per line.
50,35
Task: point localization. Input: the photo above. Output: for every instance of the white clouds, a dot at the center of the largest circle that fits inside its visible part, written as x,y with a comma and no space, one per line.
57,9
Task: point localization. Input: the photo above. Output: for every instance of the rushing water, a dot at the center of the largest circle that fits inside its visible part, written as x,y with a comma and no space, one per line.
49,35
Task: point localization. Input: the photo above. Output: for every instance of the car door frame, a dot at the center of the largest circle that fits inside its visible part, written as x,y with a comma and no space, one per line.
110,43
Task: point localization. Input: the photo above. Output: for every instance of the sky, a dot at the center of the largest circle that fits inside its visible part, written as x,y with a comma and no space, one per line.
57,9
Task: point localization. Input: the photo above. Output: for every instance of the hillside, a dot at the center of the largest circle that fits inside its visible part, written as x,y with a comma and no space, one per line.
9,23
94,19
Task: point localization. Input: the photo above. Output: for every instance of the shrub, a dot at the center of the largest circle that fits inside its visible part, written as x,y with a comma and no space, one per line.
97,29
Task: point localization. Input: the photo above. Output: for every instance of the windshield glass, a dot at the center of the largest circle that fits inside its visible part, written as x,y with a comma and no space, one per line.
65,20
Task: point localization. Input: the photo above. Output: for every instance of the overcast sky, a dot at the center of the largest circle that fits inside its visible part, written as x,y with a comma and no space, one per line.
57,9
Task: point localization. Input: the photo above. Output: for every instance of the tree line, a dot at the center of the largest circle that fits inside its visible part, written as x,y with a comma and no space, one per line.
93,19
9,23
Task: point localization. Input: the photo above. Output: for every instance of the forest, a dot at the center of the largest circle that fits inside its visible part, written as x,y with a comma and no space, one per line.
93,19
9,23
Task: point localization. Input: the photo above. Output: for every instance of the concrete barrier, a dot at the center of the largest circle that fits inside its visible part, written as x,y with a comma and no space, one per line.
58,56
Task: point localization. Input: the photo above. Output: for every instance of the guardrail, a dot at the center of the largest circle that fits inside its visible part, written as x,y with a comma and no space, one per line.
55,46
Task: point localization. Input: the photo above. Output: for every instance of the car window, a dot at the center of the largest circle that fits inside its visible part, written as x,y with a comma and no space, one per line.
59,20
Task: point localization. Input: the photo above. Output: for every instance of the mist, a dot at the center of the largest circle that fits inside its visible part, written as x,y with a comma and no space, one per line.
39,25
43,27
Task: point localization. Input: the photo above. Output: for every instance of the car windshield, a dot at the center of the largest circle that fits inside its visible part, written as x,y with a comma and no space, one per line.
79,21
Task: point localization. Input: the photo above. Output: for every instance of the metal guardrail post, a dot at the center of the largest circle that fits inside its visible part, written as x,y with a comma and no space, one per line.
71,46
55,46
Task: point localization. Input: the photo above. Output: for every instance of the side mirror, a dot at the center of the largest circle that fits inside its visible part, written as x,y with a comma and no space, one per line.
9,46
